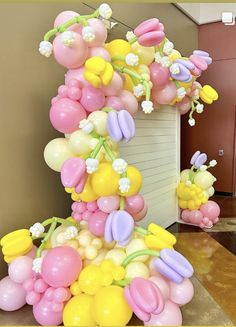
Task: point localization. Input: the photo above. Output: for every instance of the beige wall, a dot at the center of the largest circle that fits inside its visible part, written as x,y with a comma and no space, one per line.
30,191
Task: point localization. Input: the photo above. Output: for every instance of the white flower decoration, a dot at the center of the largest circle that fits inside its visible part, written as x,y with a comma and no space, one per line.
37,230
181,92
138,90
147,107
124,184
131,59
191,122
195,95
165,61
213,163
199,108
188,183
119,165
86,125
37,264
168,48
130,35
174,69
88,33
45,48
203,168
105,11
70,233
158,57
91,165
68,38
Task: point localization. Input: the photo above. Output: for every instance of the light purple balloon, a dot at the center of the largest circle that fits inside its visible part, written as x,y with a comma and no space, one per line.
167,271
201,53
184,74
194,157
12,295
113,127
201,159
127,125
186,63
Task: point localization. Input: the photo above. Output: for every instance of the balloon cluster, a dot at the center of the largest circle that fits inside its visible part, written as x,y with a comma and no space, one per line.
194,190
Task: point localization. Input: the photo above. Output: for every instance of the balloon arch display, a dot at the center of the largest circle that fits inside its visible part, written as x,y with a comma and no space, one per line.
98,267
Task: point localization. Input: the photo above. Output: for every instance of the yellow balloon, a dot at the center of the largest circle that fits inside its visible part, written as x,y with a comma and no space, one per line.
135,178
105,180
174,55
128,84
90,279
118,48
78,311
146,54
88,193
110,307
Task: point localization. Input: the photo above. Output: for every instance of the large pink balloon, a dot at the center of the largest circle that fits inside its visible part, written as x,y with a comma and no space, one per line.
140,215
20,269
162,285
134,204
170,316
99,52
100,32
184,105
97,223
77,74
12,295
108,203
66,15
66,114
165,95
115,87
115,103
44,315
92,99
130,102
211,210
72,56
61,266
159,75
195,216
181,293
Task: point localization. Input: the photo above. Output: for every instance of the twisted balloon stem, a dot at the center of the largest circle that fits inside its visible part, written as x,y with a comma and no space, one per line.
139,253
97,148
122,203
109,151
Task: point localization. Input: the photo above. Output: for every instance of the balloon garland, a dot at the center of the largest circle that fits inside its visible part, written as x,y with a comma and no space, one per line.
98,267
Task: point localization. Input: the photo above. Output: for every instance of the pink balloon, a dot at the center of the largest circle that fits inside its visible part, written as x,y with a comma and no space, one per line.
32,252
159,75
92,99
72,171
140,215
61,266
115,87
20,269
92,206
211,210
72,56
99,52
108,203
184,105
77,74
195,217
170,316
162,285
165,95
130,102
185,215
100,32
66,15
97,223
12,295
181,293
134,204
44,315
115,103
66,114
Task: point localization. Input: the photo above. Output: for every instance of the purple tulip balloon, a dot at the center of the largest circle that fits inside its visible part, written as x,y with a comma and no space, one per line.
12,295
120,126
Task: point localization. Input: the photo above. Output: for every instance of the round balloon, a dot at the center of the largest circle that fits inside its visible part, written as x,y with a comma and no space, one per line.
12,295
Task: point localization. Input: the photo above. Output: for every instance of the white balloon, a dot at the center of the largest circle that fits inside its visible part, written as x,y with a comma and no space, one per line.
204,179
184,175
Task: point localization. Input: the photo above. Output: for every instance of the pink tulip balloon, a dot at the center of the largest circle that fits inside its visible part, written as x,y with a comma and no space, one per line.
115,103
66,15
130,102
12,295
170,316
108,203
44,315
66,114
99,52
97,223
184,105
140,215
162,285
134,204
61,266
20,269
77,74
165,95
100,31
211,210
181,293
159,75
115,87
92,99
72,56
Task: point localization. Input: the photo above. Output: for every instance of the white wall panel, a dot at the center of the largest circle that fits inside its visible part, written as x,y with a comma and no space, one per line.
155,150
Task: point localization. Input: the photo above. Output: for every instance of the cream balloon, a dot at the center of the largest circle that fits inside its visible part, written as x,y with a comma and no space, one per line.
146,54
136,269
137,244
204,179
116,255
210,191
79,142
184,175
57,152
99,120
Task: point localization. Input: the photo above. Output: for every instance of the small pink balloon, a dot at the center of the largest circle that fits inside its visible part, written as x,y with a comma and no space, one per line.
20,269
108,203
211,210
92,99
140,215
130,102
99,52
66,114
184,105
115,103
44,315
134,204
195,217
40,286
32,297
32,252
12,295
61,266
86,215
60,294
72,56
159,75
77,74
162,285
115,87
100,31
97,223
185,215
66,15
92,206
165,95
181,293
170,316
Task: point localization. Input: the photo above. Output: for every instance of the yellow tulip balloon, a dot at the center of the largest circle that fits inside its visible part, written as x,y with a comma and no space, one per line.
135,181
